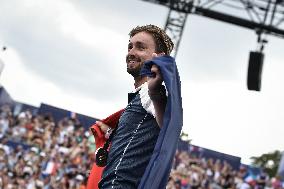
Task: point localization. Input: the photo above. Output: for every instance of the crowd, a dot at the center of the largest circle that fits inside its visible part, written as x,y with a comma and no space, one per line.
191,172
38,153
44,154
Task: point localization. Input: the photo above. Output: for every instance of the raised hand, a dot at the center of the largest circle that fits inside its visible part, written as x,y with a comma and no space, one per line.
154,82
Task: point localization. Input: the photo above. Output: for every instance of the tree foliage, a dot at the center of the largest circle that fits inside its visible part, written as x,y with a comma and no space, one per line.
269,162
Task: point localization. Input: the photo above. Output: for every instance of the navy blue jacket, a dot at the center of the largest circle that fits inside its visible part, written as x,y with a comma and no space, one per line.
157,172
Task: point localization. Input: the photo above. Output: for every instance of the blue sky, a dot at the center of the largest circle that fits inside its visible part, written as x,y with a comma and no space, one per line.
71,54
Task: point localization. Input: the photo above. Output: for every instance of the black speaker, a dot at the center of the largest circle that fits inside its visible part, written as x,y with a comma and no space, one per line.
255,70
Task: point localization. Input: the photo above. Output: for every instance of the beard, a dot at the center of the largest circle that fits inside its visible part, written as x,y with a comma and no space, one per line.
134,69
134,72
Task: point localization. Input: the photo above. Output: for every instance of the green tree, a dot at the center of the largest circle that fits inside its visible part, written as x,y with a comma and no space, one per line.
269,162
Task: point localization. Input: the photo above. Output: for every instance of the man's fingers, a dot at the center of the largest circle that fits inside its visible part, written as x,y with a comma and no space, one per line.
103,126
155,70
154,55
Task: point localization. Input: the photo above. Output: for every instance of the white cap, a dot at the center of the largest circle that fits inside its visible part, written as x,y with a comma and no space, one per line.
43,154
34,149
79,177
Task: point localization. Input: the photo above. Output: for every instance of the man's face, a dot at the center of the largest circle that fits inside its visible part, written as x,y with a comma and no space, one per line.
140,49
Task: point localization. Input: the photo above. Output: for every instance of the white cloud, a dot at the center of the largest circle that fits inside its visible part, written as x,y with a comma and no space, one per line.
23,84
226,117
74,25
27,87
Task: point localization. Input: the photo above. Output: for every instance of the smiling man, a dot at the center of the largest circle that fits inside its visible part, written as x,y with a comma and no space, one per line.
139,125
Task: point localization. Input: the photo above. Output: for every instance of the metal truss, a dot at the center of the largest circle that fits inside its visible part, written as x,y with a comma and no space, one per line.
174,27
262,16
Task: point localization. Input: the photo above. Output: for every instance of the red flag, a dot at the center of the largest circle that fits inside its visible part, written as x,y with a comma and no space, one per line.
96,172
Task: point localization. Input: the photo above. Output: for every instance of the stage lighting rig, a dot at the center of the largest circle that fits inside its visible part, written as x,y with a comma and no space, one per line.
262,16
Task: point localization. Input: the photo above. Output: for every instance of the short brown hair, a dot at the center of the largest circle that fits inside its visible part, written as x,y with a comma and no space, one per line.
162,40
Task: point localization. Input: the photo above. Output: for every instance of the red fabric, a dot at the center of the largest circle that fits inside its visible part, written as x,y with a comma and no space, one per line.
96,172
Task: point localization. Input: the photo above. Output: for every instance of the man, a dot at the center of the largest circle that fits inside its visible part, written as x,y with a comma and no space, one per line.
139,125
